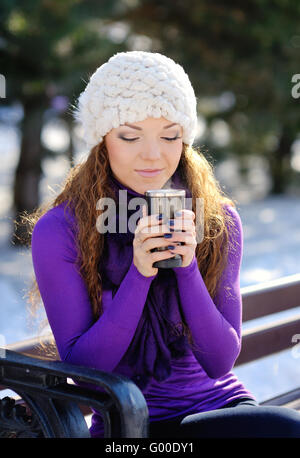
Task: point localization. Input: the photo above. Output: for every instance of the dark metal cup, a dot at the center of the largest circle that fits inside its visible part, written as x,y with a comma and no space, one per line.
167,202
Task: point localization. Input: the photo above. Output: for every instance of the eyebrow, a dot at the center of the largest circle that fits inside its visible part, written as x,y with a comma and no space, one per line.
139,128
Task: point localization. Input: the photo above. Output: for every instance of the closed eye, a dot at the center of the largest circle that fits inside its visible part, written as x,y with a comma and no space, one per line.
170,139
165,138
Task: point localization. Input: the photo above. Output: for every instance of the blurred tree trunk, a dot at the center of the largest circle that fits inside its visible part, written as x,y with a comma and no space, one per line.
28,171
280,162
70,151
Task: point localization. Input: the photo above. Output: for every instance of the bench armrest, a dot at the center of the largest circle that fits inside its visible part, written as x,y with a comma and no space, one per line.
53,401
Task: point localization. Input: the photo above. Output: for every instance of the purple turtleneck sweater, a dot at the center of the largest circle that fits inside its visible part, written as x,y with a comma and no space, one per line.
200,381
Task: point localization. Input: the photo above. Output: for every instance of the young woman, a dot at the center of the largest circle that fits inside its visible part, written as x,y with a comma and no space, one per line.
176,332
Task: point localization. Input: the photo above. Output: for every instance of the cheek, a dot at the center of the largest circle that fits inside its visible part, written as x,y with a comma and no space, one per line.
174,152
119,156
179,149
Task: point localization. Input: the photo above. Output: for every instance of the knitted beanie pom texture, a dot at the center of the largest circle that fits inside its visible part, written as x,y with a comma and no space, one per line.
132,86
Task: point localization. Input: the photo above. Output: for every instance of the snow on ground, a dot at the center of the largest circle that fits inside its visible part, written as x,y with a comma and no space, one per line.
271,250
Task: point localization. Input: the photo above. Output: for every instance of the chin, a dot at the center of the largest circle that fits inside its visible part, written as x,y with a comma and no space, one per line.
153,184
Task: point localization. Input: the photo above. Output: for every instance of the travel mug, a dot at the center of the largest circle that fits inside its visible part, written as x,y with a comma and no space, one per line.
167,202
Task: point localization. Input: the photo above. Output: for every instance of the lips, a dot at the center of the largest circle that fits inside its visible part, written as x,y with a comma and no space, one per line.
149,172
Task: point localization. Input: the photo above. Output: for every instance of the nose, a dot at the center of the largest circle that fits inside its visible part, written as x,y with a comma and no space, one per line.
151,150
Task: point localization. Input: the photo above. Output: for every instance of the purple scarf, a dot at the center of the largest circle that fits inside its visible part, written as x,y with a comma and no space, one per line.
154,343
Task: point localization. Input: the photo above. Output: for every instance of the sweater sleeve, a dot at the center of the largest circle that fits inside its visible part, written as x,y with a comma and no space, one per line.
215,325
79,338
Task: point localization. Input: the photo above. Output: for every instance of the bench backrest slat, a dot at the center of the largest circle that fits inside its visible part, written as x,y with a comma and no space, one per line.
270,297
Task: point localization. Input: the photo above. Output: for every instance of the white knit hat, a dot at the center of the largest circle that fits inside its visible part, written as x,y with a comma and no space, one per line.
132,86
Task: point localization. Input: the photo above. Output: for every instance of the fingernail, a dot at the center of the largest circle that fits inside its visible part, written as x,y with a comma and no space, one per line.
171,222
171,247
160,216
167,236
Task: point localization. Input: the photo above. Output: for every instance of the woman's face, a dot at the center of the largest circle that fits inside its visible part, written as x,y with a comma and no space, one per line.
152,144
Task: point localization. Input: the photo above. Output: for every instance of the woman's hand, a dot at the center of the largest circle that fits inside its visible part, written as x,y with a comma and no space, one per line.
186,223
149,234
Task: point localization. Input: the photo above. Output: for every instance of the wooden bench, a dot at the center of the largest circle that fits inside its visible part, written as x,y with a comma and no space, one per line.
51,404
265,300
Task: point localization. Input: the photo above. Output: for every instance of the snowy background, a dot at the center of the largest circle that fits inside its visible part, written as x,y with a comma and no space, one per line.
271,250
